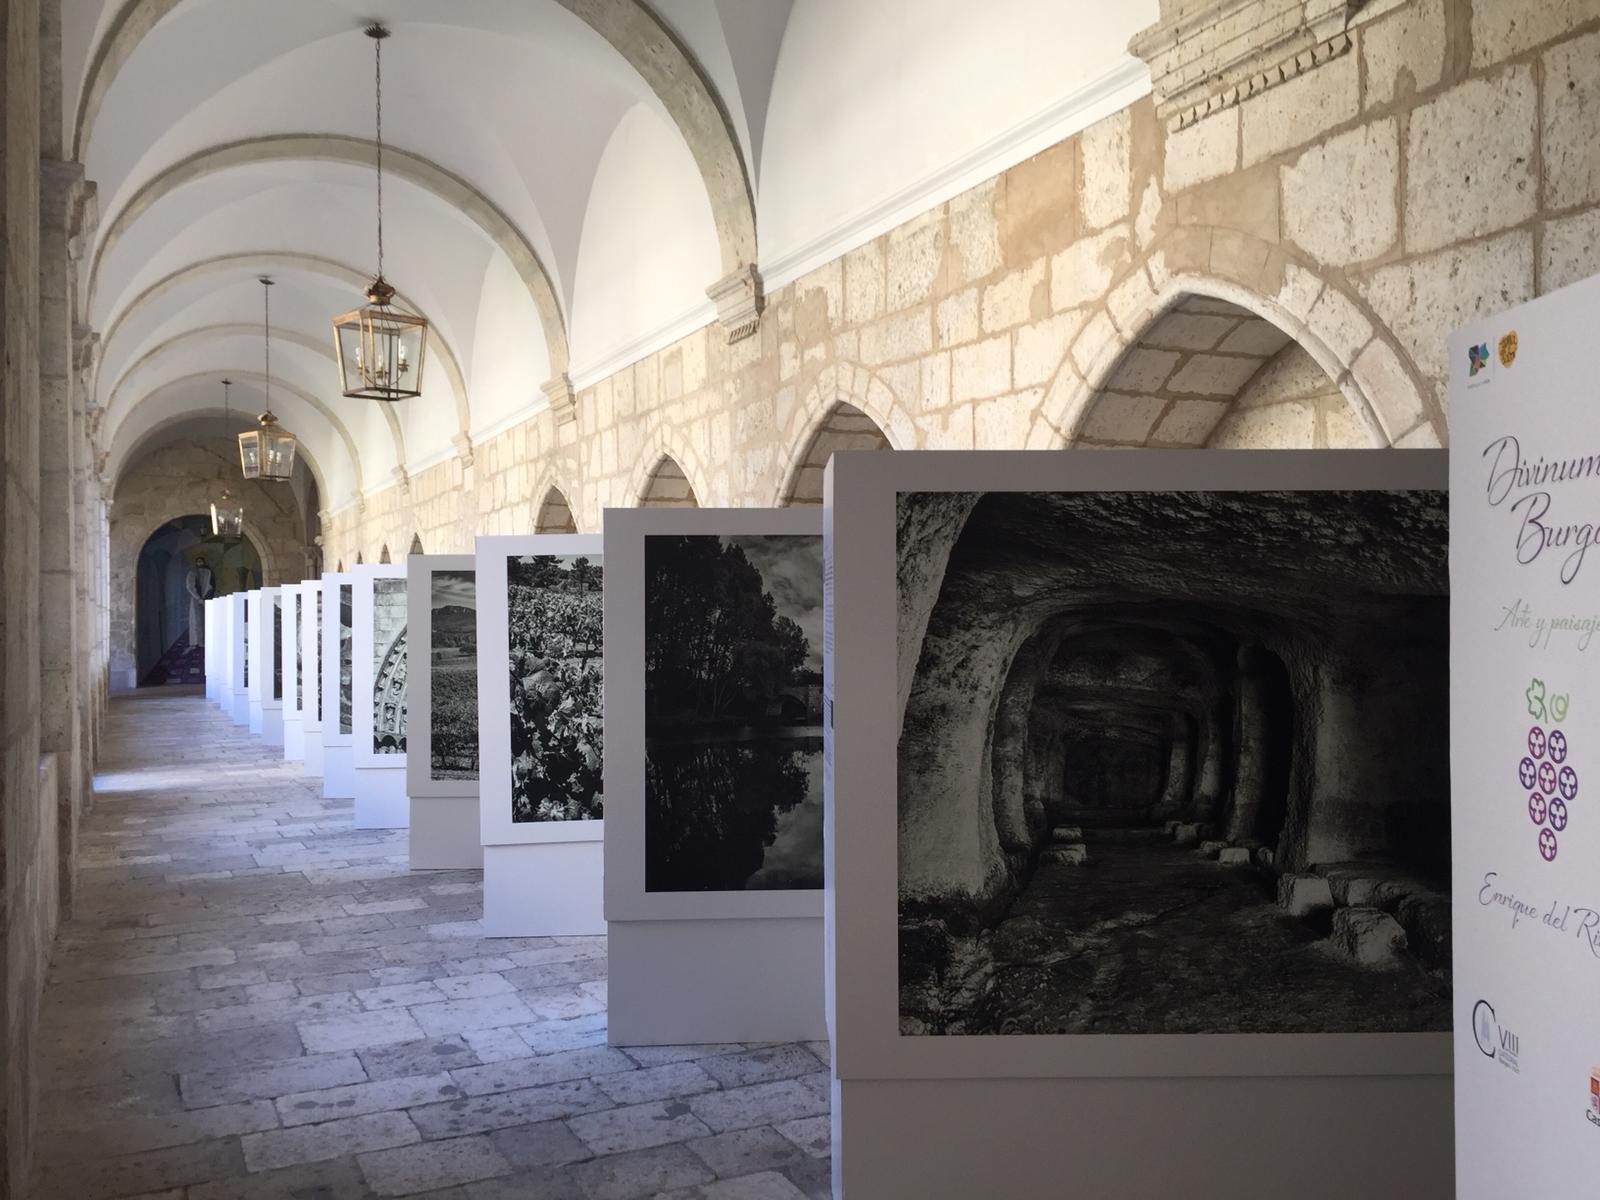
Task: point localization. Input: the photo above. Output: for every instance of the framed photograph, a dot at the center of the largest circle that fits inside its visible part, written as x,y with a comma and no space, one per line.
311,607
378,680
713,705
292,653
540,688
272,650
1137,764
442,679
338,658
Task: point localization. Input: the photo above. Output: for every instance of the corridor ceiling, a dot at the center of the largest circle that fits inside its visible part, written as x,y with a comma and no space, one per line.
563,181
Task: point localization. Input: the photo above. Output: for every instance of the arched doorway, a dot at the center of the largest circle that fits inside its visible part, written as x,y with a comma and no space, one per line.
161,606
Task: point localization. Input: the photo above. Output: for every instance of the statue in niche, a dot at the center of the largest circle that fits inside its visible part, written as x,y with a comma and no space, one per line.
199,585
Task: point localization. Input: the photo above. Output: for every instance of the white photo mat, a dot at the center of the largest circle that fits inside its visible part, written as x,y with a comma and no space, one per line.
861,821
311,596
272,649
625,534
256,665
494,688
334,584
291,650
234,666
363,703
420,570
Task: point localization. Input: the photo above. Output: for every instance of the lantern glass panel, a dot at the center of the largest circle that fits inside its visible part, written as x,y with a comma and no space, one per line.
250,453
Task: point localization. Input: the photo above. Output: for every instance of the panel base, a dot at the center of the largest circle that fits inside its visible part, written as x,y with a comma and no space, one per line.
294,740
682,982
272,726
313,759
1130,1139
237,706
381,801
338,773
257,718
444,833
544,889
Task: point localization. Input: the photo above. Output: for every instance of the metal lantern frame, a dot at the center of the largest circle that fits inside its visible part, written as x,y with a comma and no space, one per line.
380,347
227,514
267,451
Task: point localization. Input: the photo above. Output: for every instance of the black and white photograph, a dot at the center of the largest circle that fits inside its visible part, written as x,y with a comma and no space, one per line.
1173,762
453,676
318,635
388,666
554,623
347,617
733,712
276,602
296,632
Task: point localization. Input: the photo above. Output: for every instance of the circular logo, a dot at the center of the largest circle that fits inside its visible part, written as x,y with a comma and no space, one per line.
1568,783
1547,777
1483,1026
1558,814
1527,773
1537,808
1547,845
1558,745
1508,349
1536,742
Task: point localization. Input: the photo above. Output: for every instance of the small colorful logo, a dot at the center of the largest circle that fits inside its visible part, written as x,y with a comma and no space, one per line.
1494,1039
1477,359
1594,1095
1508,349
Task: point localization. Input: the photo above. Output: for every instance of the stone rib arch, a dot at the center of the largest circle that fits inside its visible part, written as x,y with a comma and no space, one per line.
836,385
632,30
129,457
214,332
1357,353
280,262
416,544
383,553
556,514
177,510
360,152
662,446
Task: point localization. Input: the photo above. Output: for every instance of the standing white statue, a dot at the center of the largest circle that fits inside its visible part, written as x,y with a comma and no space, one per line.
198,584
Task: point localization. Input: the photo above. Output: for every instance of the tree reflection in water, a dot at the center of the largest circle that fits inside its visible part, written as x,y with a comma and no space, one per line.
732,815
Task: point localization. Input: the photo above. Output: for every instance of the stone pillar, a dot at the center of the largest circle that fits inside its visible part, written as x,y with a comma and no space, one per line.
1210,782
1249,771
1176,791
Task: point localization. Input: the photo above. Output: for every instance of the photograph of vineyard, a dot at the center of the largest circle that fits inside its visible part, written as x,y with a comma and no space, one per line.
277,647
347,621
453,676
554,616
733,713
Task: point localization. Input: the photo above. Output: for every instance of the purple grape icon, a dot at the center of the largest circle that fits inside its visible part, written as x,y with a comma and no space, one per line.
1558,814
1547,777
1536,742
1547,845
1568,783
1527,773
1536,808
1558,745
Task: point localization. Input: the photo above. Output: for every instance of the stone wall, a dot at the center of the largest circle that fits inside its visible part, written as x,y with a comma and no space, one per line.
1327,232
177,480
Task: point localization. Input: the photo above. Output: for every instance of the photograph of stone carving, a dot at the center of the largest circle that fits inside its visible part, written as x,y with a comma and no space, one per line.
733,712
388,666
453,676
554,615
1173,763
317,633
347,618
277,646
299,652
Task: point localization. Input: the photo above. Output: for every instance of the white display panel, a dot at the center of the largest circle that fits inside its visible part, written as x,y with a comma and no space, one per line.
1525,737
208,617
311,610
337,668
237,701
289,650
965,1093
271,658
257,665
378,699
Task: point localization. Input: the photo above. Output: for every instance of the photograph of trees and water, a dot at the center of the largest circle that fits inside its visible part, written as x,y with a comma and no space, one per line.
733,712
554,618
453,676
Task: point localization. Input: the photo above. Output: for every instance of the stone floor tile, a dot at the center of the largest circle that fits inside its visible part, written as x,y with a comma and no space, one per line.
458,1016
814,1135
760,1066
134,1134
298,1008
638,1127
497,1045
655,1056
422,1057
549,1143
82,1176
769,1185
330,1139
399,995
533,1183
227,1085
551,1037
355,1099
536,1071
331,1179
359,1031
433,1165
657,1083
560,1003
640,1173
758,1104
471,987
503,1110
746,1152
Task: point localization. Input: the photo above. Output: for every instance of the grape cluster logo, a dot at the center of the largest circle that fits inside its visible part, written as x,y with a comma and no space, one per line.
1477,359
1546,776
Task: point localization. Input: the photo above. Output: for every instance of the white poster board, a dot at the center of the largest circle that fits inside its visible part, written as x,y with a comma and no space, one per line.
1525,733
289,650
258,666
338,666
378,697
713,786
542,874
1001,978
208,617
236,701
311,610
442,703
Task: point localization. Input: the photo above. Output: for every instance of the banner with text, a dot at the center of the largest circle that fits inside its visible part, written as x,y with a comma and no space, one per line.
1525,737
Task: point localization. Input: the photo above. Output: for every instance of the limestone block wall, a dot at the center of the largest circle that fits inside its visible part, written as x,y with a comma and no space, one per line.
177,480
1439,167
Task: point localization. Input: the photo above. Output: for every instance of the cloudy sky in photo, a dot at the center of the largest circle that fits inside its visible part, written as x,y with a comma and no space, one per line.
791,569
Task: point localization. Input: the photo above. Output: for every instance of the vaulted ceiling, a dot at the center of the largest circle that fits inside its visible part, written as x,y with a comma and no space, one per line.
563,181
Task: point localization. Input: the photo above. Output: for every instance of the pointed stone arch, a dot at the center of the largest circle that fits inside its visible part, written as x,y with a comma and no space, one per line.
340,568
840,389
1386,395
383,553
416,544
668,487
662,444
359,560
555,513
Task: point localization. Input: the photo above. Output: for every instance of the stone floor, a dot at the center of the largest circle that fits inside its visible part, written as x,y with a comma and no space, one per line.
254,1000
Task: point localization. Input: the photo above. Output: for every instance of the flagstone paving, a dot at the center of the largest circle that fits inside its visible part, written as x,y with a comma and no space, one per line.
252,999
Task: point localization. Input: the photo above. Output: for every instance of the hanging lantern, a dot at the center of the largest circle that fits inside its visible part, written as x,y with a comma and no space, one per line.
267,452
380,347
227,514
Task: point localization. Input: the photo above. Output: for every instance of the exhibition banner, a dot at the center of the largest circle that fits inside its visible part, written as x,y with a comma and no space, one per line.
1525,759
